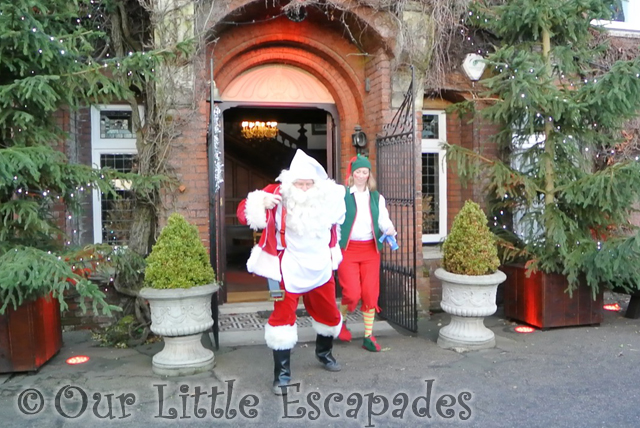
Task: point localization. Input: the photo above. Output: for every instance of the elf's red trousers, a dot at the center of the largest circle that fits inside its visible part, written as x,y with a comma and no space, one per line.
359,275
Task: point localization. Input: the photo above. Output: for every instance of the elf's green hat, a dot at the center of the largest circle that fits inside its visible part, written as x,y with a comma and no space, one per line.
355,163
360,162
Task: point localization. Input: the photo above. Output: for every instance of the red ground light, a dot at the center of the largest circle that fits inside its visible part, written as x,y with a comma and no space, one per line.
611,307
78,359
524,329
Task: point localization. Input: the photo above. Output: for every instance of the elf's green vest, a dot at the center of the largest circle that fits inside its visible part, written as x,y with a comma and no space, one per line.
350,202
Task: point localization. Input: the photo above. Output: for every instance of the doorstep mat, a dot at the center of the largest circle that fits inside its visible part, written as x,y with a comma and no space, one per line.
257,320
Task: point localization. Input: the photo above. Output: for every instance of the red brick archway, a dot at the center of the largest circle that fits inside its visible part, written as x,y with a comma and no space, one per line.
358,81
348,47
348,101
300,45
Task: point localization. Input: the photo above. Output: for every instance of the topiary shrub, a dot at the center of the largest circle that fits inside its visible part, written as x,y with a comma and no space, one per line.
178,259
470,248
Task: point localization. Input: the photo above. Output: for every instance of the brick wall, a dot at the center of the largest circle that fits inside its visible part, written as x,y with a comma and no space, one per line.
75,319
377,107
61,118
188,159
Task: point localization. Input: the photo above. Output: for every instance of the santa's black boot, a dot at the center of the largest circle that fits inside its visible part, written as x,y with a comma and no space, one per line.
324,345
281,371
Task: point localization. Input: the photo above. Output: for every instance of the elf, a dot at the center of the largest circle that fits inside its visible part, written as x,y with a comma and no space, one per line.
366,221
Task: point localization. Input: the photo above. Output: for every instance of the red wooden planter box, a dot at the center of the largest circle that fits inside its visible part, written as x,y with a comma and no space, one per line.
30,335
541,301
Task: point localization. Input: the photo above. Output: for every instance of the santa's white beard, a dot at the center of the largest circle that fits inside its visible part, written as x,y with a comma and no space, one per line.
306,210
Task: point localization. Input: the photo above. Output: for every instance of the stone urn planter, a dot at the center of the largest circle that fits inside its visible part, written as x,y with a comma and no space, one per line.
470,279
179,283
468,299
181,316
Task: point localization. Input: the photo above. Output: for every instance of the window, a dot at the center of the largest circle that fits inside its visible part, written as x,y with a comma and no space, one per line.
434,176
526,225
113,145
626,17
116,124
117,212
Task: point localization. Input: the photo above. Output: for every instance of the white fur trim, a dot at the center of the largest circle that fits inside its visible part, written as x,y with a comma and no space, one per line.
326,330
281,337
264,264
255,211
336,256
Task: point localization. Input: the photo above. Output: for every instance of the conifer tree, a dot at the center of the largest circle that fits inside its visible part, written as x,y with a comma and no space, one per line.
561,114
49,62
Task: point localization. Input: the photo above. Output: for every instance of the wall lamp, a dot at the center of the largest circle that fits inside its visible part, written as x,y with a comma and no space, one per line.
359,140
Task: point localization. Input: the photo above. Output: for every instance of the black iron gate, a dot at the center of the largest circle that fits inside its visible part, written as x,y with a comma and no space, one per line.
396,154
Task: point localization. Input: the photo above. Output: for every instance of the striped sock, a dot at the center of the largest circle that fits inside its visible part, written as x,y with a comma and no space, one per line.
368,315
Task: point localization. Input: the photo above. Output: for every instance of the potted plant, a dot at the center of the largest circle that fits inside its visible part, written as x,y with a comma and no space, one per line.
179,283
470,278
561,192
35,277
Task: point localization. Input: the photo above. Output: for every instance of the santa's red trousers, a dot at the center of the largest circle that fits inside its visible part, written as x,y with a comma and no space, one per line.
320,303
359,275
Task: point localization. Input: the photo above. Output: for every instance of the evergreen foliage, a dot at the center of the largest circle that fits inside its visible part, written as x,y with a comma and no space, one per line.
178,259
561,116
470,248
49,64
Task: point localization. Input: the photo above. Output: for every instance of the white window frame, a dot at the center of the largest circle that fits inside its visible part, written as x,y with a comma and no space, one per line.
110,146
631,25
435,145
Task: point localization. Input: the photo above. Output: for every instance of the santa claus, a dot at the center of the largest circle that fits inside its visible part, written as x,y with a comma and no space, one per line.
299,248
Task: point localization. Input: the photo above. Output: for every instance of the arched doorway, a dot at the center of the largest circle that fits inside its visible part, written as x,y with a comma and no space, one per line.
268,112
355,71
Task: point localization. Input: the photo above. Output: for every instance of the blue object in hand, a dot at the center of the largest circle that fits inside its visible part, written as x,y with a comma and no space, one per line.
391,240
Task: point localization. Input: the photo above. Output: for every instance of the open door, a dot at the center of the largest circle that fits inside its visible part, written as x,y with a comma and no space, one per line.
216,199
333,165
215,153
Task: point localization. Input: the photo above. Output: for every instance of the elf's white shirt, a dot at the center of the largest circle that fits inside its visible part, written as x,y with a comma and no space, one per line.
362,229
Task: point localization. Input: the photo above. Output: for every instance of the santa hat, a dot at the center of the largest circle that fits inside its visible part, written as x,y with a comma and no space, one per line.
303,167
355,163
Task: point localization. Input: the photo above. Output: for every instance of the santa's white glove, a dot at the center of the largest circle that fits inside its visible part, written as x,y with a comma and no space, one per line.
391,231
271,200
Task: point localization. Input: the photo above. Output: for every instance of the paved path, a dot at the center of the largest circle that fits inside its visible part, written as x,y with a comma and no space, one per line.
571,377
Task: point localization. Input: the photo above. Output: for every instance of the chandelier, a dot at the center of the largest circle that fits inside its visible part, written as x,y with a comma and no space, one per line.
259,130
